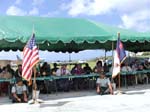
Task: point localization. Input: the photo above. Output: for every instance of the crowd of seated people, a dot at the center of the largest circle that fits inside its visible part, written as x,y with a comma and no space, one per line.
79,83
135,65
45,70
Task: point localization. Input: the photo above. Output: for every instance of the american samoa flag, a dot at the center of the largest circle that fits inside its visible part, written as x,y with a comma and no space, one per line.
30,58
119,57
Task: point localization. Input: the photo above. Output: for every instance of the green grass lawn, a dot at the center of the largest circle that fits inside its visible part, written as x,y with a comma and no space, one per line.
91,63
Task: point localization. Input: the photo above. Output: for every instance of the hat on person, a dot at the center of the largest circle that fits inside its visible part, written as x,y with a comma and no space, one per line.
18,80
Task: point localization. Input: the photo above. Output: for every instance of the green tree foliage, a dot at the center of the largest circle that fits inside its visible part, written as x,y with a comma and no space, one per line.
146,53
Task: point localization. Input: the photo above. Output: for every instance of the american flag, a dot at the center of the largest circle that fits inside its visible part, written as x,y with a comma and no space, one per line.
119,57
30,58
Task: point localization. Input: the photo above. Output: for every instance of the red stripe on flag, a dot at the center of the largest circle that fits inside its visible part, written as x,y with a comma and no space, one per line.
30,59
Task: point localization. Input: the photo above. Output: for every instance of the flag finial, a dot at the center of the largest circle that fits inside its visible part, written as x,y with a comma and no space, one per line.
118,34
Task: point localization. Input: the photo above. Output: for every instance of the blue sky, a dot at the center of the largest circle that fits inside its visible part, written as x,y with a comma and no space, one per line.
128,14
52,56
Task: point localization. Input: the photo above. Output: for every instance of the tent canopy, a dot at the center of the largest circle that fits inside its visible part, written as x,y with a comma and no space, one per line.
63,34
126,35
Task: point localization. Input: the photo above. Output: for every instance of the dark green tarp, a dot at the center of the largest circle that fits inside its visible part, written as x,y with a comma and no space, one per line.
63,34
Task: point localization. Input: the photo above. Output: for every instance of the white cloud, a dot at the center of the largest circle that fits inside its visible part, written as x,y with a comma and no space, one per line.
99,7
139,20
75,8
89,7
13,10
34,11
133,13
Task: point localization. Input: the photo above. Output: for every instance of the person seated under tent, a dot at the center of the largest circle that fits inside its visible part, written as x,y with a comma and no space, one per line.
125,68
103,85
87,69
79,83
63,84
19,92
54,69
98,68
5,74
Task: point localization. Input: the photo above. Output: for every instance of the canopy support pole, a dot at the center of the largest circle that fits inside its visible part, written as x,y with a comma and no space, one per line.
112,46
119,85
105,55
112,52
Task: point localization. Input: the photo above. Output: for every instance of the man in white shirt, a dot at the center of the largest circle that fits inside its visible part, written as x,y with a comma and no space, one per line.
63,84
128,77
126,68
103,85
63,71
19,92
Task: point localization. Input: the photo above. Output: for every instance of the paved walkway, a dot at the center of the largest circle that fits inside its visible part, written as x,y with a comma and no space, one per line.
135,100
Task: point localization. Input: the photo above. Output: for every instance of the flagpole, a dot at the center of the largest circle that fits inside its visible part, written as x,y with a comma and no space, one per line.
34,83
119,57
105,55
35,93
112,52
34,71
119,88
112,56
119,84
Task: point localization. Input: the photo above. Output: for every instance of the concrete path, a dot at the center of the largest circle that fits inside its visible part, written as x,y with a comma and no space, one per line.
136,99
